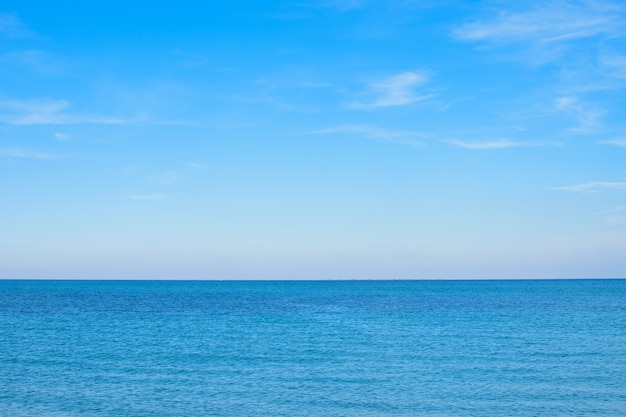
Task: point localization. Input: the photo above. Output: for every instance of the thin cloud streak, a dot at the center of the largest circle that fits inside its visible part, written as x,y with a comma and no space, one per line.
614,142
166,177
373,132
615,220
615,64
13,27
146,197
61,136
588,117
22,153
490,144
337,5
398,90
557,21
47,112
196,165
617,209
36,61
613,216
594,186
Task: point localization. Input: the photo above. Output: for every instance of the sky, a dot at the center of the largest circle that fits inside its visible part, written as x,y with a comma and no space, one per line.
329,139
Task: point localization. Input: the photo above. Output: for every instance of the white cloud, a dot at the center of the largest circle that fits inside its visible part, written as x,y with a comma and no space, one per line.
374,132
615,64
21,153
62,136
615,142
166,177
617,209
35,60
192,60
554,21
173,123
588,117
563,103
339,5
613,216
46,111
398,90
594,186
13,27
615,220
196,165
146,196
33,111
490,144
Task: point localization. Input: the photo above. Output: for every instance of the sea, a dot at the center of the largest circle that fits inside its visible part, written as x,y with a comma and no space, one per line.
313,348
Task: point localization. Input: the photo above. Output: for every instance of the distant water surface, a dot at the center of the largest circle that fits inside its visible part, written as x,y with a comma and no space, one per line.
313,348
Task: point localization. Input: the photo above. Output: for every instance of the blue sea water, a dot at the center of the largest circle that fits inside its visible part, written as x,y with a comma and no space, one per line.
313,348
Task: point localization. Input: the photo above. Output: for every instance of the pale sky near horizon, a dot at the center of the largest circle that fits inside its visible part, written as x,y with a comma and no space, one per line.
313,139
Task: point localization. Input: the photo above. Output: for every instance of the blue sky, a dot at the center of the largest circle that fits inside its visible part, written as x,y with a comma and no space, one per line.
312,139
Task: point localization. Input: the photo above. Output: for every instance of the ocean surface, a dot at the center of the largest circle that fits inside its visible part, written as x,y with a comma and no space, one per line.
314,348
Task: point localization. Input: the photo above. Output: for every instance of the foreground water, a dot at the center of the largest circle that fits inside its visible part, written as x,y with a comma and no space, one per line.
316,348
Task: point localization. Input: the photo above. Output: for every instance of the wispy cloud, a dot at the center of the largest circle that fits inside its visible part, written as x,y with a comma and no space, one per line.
615,64
22,153
190,59
46,111
177,123
166,177
146,196
614,142
490,144
594,186
614,216
588,117
338,5
613,210
554,21
35,60
13,27
398,90
374,132
196,165
33,111
615,220
62,136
